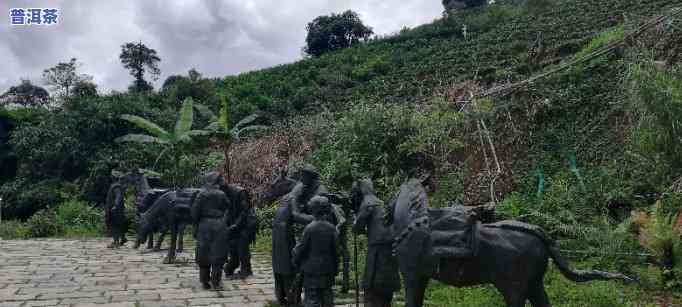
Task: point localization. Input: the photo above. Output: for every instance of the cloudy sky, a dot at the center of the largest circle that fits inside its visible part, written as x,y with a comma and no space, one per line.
218,38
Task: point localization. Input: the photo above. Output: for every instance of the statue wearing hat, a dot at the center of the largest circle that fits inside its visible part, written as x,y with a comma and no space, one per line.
115,218
317,255
209,216
303,192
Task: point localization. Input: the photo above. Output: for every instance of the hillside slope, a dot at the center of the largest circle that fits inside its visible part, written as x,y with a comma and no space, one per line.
579,112
413,65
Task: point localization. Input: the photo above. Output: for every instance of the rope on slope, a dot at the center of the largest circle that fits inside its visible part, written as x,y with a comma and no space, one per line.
504,90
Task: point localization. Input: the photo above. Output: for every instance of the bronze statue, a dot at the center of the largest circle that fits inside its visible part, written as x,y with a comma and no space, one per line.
317,255
381,278
145,197
513,256
309,187
115,218
299,197
283,242
170,211
243,227
281,185
209,217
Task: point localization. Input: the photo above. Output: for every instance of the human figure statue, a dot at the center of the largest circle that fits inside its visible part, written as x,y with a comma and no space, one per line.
115,212
242,228
283,242
209,216
381,277
309,187
317,255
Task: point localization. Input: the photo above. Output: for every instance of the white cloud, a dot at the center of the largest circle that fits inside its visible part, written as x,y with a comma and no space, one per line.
216,37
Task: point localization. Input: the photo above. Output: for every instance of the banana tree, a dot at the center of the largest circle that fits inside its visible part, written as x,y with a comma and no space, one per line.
176,142
226,133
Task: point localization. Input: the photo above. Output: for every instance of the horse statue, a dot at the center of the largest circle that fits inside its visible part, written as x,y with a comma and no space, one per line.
171,212
145,197
451,246
282,184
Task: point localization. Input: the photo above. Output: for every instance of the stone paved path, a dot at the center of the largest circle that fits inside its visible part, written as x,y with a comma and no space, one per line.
83,273
80,273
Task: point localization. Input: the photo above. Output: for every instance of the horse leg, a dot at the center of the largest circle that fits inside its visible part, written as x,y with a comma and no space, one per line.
537,295
346,262
181,234
514,296
150,240
173,243
414,292
159,241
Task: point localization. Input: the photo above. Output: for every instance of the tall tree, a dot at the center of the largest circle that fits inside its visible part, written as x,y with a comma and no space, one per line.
62,77
139,58
454,5
334,32
177,88
25,94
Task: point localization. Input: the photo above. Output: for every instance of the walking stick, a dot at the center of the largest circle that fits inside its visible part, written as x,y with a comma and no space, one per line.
355,255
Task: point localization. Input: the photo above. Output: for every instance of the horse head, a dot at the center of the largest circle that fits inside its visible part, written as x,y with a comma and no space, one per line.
278,187
359,190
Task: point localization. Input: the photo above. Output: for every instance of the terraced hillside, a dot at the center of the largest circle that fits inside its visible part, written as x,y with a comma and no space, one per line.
414,64
577,112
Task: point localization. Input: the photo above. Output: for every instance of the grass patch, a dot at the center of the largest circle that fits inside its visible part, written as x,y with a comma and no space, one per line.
13,230
561,292
71,219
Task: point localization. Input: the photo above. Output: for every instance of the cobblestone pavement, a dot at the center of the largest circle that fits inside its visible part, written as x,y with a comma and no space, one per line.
85,273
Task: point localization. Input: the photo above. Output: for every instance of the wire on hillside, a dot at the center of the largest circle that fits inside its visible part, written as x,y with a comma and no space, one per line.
504,90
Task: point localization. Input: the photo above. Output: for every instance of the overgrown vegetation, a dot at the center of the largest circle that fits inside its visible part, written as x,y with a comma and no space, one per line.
591,154
71,219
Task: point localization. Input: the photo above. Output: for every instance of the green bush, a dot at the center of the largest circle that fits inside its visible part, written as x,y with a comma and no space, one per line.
657,104
265,217
660,235
44,224
27,197
371,69
79,219
12,230
491,16
364,143
579,72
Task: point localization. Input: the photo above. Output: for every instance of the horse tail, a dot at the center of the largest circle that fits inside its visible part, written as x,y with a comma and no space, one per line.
582,275
560,262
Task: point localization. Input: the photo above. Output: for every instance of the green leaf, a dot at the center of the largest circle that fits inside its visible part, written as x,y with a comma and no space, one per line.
150,173
213,127
251,129
185,138
247,121
224,120
206,112
184,123
147,126
141,138
199,133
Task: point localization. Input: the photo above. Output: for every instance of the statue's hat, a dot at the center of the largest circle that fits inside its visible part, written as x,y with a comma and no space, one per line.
308,169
